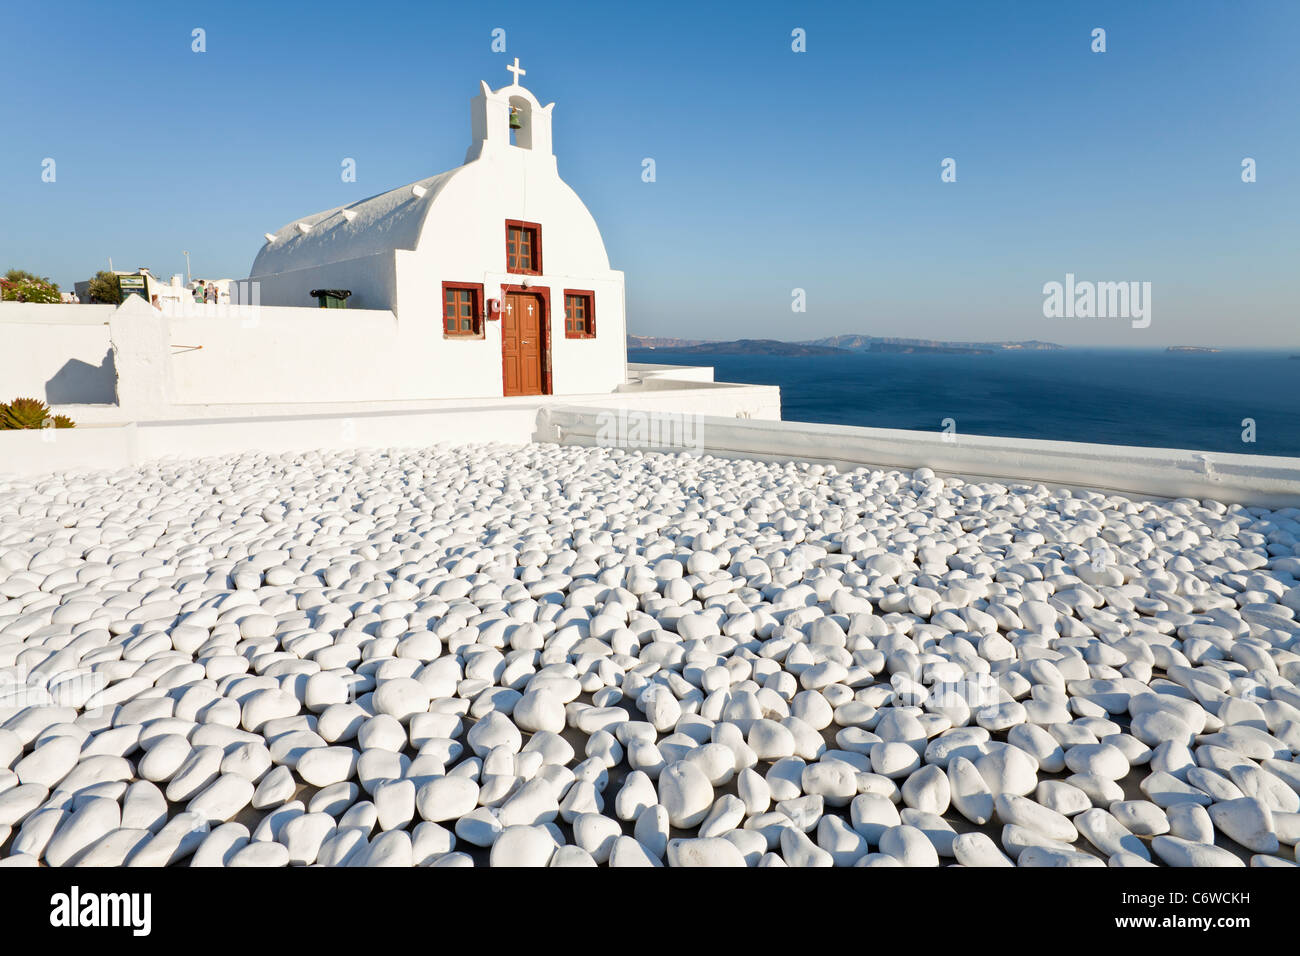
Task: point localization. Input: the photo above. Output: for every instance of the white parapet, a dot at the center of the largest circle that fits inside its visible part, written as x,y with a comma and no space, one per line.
197,431
1265,481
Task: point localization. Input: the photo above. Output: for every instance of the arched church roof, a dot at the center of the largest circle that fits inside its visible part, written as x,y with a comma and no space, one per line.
382,223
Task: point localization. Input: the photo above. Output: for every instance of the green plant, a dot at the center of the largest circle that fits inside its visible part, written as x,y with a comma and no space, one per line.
106,288
23,413
30,413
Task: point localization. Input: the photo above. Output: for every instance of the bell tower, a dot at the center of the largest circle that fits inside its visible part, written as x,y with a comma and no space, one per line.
509,118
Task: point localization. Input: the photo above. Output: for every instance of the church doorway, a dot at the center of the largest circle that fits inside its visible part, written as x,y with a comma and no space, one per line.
525,346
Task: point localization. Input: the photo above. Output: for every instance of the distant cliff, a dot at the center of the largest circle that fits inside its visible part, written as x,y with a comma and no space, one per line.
1191,348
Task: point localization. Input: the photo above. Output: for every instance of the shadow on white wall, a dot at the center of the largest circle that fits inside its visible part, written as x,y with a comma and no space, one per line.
80,383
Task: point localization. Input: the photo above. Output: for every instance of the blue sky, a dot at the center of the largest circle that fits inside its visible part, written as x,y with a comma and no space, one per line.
776,170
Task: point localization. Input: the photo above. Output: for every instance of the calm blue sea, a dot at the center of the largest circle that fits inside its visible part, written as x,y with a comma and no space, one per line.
1119,397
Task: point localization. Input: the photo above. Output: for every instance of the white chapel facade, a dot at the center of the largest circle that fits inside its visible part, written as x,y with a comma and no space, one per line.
495,271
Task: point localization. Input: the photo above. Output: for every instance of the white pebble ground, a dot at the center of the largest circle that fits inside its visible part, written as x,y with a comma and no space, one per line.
548,655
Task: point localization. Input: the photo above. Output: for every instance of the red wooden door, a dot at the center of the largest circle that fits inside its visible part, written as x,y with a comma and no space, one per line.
522,329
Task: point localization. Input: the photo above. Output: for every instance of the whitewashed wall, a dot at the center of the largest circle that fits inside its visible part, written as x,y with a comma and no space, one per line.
372,280
57,353
287,355
464,241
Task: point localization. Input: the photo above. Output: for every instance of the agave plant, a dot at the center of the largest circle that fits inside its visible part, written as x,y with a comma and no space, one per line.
24,413
63,421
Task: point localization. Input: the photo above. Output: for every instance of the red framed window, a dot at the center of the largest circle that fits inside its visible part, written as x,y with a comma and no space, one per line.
579,314
462,309
523,247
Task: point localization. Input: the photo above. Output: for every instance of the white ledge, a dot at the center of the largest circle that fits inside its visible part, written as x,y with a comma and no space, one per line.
1261,480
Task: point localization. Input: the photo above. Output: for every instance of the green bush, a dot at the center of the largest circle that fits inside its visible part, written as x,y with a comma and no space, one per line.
106,288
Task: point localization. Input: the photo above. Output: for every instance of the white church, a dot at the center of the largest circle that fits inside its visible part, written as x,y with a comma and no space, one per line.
494,270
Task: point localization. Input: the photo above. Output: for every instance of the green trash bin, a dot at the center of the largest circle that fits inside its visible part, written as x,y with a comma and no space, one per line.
331,298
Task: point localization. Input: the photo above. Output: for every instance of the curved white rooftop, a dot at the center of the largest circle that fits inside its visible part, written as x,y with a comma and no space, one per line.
390,220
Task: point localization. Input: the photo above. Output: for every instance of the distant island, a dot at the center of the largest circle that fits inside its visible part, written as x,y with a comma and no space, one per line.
834,344
1191,348
936,347
659,342
873,343
746,347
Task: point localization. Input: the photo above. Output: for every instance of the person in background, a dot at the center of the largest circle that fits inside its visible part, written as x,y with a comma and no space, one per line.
198,292
211,294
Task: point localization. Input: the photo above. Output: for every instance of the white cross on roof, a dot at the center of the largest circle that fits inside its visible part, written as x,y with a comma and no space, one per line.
517,70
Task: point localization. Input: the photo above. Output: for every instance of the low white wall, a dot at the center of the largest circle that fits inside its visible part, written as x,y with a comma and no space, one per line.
412,429
698,398
714,398
681,373
118,446
1264,481
93,447
40,451
275,355
58,353
56,313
